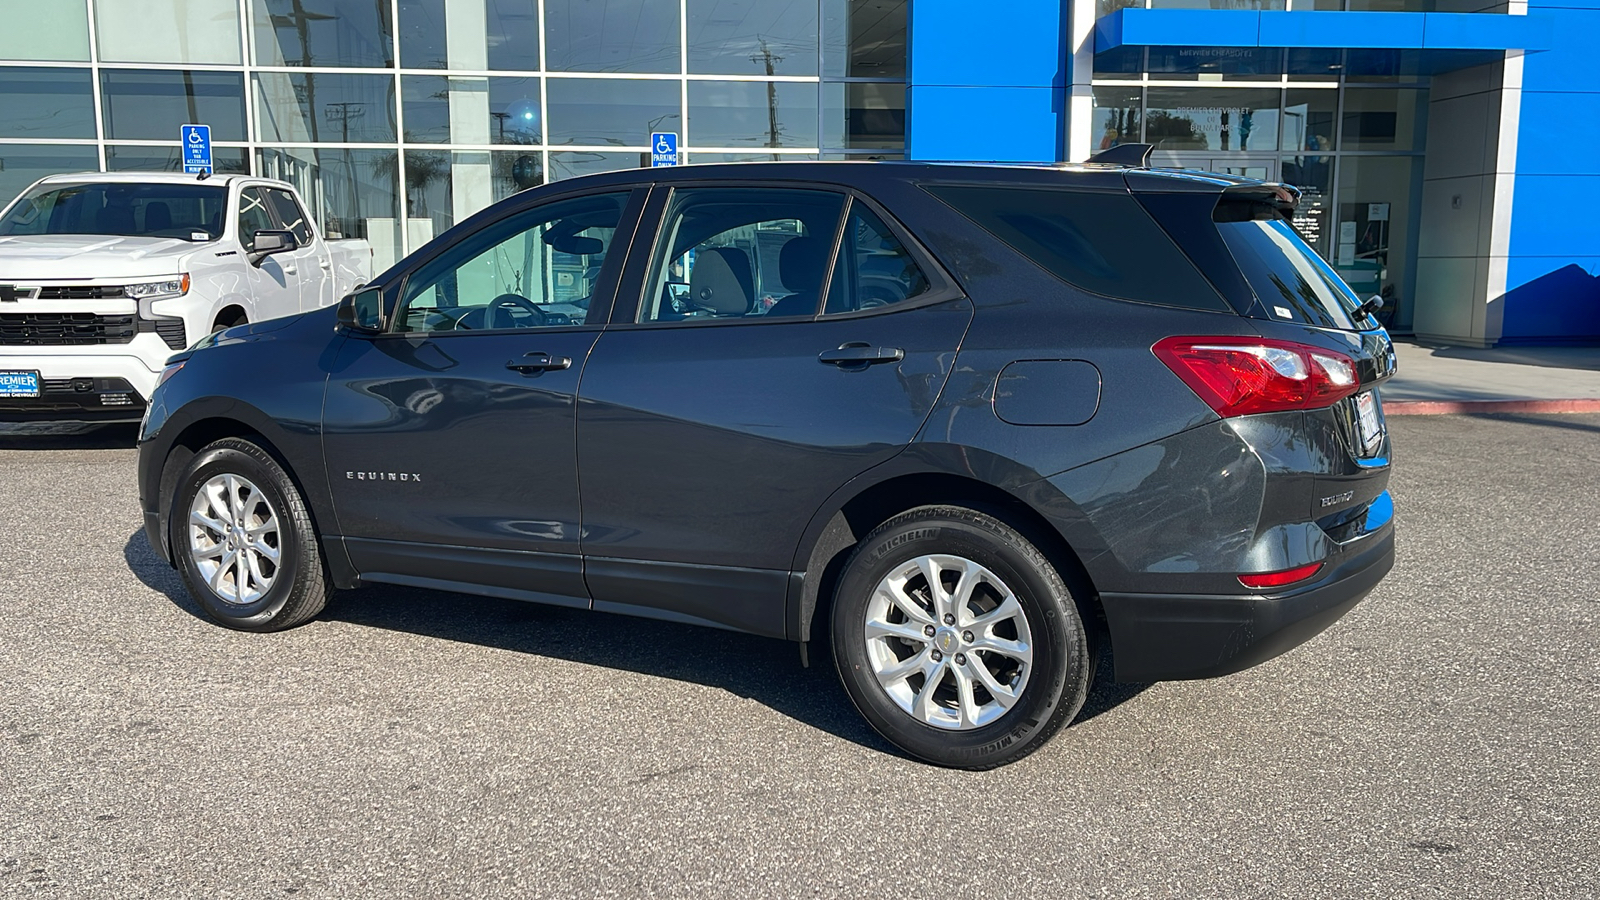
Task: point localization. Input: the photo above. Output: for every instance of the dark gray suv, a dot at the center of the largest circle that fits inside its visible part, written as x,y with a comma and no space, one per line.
966,426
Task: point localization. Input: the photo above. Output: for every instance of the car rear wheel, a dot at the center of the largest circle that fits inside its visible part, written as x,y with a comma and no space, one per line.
244,542
958,640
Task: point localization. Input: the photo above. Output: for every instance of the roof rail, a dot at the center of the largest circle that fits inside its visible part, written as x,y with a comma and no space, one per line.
1135,155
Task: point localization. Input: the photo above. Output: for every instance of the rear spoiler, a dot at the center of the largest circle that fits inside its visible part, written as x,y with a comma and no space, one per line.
1283,196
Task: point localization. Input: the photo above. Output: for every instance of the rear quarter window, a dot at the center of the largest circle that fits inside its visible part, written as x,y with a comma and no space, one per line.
1292,282
1102,242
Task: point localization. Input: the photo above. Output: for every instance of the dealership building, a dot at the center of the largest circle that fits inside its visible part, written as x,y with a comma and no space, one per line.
1444,148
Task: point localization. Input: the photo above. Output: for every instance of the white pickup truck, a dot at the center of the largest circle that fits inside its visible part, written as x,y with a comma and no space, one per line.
103,276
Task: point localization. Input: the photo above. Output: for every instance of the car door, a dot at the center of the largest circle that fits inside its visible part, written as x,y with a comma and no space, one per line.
310,258
275,282
727,404
450,438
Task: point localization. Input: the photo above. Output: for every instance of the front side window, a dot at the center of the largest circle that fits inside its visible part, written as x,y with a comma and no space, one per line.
741,253
874,268
254,216
288,212
536,269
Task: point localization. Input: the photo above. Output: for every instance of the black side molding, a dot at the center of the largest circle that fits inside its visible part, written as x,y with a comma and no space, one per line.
1135,155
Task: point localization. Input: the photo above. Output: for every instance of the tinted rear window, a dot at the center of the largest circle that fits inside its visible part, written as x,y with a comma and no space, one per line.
1293,283
1100,242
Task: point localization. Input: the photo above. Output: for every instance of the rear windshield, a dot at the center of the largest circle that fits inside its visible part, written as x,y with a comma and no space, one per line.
1289,278
1102,242
192,212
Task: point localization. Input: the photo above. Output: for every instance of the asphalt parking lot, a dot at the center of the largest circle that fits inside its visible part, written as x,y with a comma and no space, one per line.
1440,741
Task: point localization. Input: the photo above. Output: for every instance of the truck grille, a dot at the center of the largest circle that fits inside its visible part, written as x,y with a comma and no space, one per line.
19,329
80,292
171,331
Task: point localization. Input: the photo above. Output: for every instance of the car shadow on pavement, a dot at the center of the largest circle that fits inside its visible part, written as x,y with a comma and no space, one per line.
765,670
68,437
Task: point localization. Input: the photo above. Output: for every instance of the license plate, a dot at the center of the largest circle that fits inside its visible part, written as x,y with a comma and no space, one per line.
1371,424
19,384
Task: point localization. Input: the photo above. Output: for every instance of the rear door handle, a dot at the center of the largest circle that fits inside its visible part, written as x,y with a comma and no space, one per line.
539,362
856,354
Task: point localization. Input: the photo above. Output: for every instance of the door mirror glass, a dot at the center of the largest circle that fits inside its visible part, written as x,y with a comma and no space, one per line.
362,311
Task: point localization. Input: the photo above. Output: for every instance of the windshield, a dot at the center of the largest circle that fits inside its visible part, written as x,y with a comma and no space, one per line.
1292,281
192,212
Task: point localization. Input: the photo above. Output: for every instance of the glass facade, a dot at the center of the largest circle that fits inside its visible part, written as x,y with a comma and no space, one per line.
398,118
1347,127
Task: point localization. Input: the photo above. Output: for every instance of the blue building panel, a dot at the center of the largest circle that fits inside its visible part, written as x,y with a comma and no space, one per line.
953,46
1342,29
1549,215
985,123
1178,28
1558,134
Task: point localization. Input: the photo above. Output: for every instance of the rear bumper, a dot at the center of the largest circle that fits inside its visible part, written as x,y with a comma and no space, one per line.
1165,637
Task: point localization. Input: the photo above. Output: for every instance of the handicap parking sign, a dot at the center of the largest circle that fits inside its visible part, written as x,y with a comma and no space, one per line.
664,149
196,149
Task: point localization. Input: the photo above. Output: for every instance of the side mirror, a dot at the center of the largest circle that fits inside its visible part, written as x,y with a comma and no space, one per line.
362,311
265,243
1373,304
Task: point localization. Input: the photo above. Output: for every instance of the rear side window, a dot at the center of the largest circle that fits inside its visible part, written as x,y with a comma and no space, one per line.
1101,242
1293,283
873,268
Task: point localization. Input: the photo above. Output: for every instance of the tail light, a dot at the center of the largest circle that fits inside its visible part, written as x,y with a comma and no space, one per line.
1280,579
1239,376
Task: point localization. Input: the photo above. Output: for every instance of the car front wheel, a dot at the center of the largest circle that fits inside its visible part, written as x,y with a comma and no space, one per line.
243,540
958,640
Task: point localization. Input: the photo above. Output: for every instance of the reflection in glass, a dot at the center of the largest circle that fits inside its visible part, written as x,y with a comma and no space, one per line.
614,111
151,105
752,37
1201,63
23,164
224,160
1120,62
45,30
171,31
351,193
1116,116
863,116
753,113
442,188
486,110
1212,119
349,33
510,34
295,108
1384,119
572,163
1313,175
701,158
38,103
1308,121
611,36
864,38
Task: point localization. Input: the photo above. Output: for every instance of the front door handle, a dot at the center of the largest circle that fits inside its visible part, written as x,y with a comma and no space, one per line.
539,362
859,354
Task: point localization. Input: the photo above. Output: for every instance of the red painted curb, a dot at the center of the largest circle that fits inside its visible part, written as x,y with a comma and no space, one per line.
1457,407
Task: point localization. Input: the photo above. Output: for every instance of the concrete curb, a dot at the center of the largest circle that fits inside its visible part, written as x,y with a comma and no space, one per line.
1460,407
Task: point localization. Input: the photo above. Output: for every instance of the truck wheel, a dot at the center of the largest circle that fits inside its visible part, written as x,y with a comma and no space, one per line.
244,542
957,640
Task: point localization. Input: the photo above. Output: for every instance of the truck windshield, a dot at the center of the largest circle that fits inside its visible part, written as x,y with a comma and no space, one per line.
192,212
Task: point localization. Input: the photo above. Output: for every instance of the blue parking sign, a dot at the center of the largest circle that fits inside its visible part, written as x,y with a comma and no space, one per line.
196,149
664,149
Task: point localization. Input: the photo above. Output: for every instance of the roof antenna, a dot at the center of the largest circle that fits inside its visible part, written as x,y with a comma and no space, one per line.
1134,155
204,174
